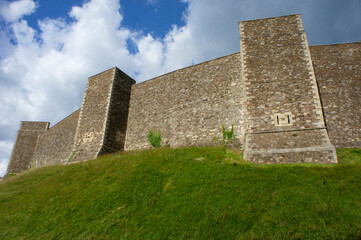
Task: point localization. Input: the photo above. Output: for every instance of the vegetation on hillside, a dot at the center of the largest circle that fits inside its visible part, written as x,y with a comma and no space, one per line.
187,193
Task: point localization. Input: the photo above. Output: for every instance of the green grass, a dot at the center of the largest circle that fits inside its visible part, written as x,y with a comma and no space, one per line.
187,193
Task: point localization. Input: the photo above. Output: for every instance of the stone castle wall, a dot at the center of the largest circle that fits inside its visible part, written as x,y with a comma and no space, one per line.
285,121
56,144
189,106
338,73
25,145
268,91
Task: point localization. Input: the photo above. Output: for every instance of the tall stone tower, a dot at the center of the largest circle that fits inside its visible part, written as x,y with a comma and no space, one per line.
103,115
283,109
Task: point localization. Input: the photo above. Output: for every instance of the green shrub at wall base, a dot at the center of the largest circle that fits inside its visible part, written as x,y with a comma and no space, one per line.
154,138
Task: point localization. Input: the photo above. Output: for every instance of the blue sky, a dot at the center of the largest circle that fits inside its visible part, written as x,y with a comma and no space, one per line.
155,17
48,49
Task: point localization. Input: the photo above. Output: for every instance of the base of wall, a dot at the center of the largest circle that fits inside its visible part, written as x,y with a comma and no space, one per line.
83,155
348,143
311,146
300,155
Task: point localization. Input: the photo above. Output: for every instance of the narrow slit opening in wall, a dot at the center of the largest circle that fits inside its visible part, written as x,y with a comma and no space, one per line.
289,119
278,121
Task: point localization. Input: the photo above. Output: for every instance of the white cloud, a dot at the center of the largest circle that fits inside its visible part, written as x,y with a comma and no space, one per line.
12,11
6,147
44,73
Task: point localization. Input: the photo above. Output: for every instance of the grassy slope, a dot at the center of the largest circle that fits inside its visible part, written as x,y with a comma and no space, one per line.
189,193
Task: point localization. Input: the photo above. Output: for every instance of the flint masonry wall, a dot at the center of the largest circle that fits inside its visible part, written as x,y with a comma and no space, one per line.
25,145
285,121
56,144
189,106
338,73
102,115
268,91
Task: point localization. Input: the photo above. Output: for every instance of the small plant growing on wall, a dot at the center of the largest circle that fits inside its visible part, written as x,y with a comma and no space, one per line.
228,136
154,138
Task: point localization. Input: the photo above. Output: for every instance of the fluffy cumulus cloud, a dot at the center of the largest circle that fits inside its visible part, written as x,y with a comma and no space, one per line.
12,11
43,72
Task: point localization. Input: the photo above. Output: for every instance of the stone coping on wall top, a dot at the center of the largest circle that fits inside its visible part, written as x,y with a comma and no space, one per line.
24,125
194,65
102,72
269,18
336,44
115,68
65,118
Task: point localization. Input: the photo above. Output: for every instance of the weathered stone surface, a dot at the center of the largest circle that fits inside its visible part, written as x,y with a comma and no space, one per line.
281,92
338,73
268,92
25,145
102,107
189,106
117,116
290,147
56,145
